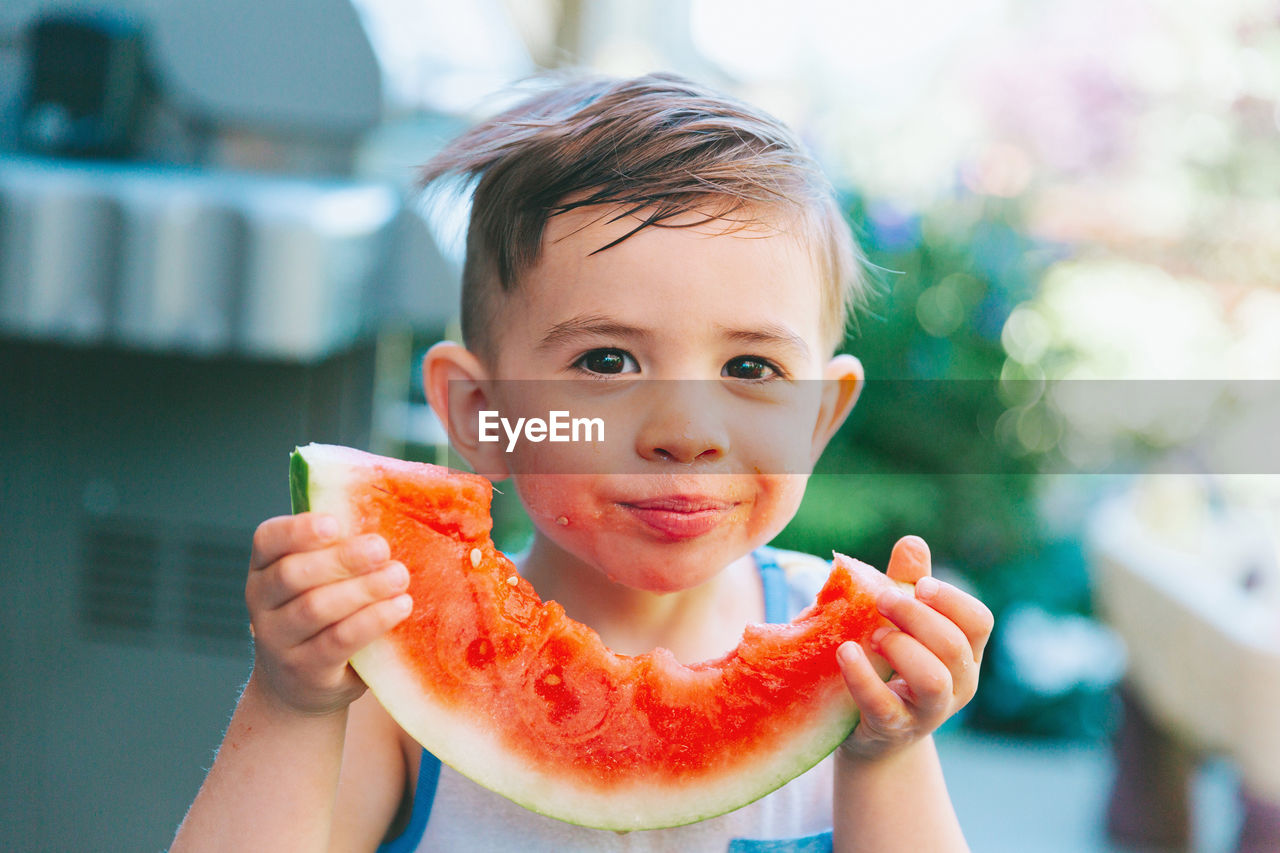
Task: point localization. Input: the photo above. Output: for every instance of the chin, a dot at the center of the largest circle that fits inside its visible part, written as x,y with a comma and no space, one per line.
668,569
668,585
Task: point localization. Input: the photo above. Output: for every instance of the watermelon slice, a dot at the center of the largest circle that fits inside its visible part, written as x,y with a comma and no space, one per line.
509,691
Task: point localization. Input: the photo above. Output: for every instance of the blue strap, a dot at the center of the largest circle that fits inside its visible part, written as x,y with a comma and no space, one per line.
820,843
776,608
424,795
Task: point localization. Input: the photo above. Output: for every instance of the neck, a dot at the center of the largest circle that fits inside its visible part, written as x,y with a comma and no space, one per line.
694,624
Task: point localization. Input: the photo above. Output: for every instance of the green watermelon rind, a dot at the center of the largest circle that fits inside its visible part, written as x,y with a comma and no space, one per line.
468,749
298,482
317,475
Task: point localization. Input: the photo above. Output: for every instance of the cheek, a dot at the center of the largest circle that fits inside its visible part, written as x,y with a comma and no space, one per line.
562,462
774,428
557,500
565,511
778,501
544,428
777,443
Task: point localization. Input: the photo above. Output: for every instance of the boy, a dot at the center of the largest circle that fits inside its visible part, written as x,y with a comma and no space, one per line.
621,231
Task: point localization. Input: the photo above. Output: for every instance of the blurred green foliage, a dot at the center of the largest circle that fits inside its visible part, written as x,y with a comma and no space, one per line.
920,453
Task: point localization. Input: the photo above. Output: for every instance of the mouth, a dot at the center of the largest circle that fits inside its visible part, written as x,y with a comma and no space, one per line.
680,517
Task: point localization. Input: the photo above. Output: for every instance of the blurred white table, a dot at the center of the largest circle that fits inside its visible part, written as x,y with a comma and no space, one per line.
1195,594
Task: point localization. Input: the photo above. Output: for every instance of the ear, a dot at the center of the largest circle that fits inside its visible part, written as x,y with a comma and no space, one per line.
457,383
842,383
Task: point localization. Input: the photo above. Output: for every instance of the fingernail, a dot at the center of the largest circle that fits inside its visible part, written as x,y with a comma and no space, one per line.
326,527
926,587
398,575
880,633
848,653
375,549
403,603
887,599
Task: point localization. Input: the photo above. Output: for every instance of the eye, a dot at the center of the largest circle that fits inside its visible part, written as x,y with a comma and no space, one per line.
607,361
750,367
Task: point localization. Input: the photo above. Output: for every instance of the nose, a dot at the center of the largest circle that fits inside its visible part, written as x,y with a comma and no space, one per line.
683,423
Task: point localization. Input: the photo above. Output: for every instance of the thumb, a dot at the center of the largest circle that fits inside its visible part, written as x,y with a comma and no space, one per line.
910,560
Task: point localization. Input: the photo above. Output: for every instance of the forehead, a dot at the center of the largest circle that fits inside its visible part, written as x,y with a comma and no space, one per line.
587,239
709,220
688,273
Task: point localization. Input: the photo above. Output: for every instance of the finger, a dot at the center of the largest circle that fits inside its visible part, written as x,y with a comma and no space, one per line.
910,560
972,617
286,534
932,629
316,610
875,700
341,640
924,682
297,573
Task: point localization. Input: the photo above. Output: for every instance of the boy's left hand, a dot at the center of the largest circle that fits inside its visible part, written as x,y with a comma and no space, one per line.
934,648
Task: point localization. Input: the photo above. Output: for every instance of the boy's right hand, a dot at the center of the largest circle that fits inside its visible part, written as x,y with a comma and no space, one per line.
314,600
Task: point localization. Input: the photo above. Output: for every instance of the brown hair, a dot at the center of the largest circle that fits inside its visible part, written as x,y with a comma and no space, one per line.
659,145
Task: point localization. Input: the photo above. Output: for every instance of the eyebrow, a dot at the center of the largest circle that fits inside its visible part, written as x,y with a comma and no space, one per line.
599,326
590,326
770,334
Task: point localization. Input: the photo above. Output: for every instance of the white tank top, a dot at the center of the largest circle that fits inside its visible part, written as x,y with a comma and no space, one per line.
452,814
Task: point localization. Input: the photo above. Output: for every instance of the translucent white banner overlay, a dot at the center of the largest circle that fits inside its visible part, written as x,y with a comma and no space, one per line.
619,425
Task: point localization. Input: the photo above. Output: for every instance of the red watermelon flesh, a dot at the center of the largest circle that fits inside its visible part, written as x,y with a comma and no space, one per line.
511,692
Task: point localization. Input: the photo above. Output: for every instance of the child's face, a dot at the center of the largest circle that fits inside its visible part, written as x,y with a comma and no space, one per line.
697,469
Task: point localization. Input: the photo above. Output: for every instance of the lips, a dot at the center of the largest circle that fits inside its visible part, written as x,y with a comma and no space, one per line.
679,517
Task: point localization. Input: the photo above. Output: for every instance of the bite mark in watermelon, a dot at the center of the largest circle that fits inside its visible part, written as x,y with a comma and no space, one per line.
509,691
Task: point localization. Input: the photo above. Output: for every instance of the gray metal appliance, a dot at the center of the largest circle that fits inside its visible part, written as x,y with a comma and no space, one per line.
172,322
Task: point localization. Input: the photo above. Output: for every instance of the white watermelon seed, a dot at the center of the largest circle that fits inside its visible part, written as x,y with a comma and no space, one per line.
475,557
